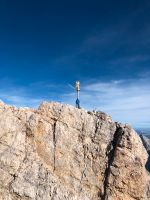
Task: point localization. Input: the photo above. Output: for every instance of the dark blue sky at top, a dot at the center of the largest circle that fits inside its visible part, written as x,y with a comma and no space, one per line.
46,40
46,45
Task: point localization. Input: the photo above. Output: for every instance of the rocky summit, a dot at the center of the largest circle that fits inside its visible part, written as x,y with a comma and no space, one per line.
58,152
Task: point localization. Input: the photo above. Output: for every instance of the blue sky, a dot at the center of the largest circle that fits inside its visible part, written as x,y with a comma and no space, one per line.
45,46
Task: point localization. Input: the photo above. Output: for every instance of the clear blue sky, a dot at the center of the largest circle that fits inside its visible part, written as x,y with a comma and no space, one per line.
45,46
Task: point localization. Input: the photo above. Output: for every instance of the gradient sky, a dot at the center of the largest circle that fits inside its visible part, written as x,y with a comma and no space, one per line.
45,46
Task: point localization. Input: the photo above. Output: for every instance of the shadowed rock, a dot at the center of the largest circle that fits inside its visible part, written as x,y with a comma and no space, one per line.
146,143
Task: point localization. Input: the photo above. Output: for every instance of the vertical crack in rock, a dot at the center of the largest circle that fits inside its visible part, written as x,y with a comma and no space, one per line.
54,137
85,165
111,150
84,156
96,127
54,142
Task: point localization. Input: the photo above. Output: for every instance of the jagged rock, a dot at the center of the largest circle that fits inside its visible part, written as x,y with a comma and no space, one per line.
58,152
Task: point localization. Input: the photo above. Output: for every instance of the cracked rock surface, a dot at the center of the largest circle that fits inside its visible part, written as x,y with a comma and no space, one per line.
58,152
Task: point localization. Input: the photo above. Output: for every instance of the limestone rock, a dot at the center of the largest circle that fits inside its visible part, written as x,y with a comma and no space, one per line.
58,152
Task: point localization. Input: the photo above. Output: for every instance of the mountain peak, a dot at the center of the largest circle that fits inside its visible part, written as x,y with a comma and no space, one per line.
60,152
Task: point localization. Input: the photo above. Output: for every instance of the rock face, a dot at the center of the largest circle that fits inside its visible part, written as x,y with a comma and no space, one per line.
58,152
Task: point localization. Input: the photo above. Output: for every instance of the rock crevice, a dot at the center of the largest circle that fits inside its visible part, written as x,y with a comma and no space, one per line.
54,142
111,150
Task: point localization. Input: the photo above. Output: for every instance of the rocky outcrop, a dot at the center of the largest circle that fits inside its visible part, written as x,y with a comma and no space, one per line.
58,152
146,142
